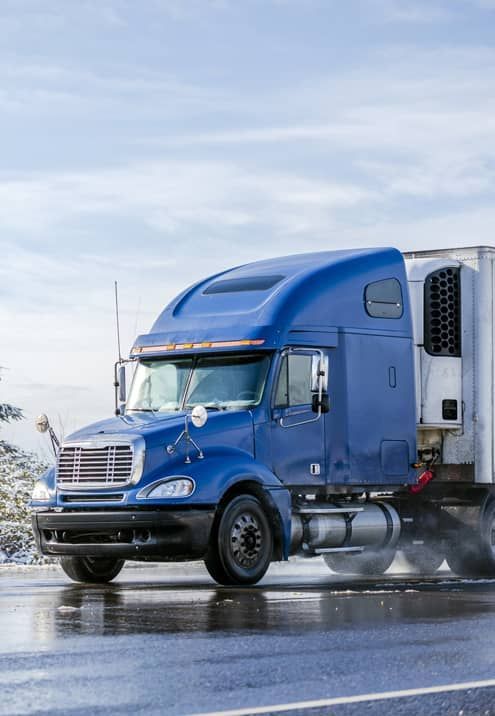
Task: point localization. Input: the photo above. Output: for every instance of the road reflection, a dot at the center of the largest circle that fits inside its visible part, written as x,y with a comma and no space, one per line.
170,641
142,608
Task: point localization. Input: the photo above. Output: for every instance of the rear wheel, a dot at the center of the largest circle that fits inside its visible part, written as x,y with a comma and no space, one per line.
462,562
93,570
473,553
424,559
363,563
241,545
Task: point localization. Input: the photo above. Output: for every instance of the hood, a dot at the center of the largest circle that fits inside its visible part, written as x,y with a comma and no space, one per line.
157,430
139,424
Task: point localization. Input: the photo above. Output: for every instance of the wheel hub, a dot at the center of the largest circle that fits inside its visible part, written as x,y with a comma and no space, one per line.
246,540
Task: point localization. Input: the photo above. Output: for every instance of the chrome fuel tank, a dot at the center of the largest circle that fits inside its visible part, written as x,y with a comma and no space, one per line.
320,526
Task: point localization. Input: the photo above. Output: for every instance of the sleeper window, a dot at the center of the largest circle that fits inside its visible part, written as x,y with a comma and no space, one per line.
383,299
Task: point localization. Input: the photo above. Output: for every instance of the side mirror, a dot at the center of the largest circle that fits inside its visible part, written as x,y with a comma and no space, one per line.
122,387
320,406
319,372
199,416
42,424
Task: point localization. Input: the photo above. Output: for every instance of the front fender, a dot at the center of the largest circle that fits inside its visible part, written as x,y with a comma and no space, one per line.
213,477
216,475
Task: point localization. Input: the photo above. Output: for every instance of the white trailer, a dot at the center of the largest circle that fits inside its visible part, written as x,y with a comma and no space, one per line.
452,302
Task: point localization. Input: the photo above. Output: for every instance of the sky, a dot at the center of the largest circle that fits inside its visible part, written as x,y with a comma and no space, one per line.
155,143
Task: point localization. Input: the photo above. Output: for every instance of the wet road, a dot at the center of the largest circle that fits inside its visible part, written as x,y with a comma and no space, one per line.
166,640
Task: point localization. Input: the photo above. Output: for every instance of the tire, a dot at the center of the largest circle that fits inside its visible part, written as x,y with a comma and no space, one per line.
473,554
91,570
462,562
241,545
424,559
362,563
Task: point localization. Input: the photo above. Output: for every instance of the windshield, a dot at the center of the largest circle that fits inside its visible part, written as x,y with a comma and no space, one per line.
222,382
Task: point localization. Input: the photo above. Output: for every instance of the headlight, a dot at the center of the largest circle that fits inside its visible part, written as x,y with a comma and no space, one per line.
40,492
171,487
138,461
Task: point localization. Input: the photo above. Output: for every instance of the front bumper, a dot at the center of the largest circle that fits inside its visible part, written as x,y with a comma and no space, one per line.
161,535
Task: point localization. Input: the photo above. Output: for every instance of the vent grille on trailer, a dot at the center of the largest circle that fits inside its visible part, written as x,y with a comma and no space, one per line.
442,318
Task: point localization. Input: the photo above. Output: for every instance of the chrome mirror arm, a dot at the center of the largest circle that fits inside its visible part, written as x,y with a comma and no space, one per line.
185,435
43,426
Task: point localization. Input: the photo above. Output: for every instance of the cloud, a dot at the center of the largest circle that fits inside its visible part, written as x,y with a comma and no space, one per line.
482,4
420,94
49,88
169,196
411,11
422,12
455,177
414,123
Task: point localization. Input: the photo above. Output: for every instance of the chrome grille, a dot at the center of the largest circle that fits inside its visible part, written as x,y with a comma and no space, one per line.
94,466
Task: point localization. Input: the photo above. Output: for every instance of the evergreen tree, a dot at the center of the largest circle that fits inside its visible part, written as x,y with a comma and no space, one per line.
8,413
18,473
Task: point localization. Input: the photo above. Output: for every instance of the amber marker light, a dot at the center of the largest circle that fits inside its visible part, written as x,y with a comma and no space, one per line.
139,350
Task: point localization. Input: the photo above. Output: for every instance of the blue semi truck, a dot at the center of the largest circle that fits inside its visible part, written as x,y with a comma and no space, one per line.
335,404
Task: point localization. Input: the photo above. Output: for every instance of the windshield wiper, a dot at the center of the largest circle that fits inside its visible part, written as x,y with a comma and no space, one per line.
149,410
208,406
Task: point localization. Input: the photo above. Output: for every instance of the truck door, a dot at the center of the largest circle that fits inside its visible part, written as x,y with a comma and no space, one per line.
297,434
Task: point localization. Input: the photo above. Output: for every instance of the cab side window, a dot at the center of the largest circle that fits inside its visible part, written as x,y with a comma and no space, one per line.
294,381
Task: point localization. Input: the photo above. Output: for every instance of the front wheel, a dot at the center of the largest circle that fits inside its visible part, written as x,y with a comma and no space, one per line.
241,545
91,570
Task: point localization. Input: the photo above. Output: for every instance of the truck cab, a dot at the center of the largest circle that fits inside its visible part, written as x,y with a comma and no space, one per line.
272,411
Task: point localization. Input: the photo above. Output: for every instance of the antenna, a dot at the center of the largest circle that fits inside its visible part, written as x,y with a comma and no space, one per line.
119,367
117,320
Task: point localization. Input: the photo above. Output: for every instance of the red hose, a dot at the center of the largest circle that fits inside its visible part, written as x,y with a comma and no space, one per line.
426,477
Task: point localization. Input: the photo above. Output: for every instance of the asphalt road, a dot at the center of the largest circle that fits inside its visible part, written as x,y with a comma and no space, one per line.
166,640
